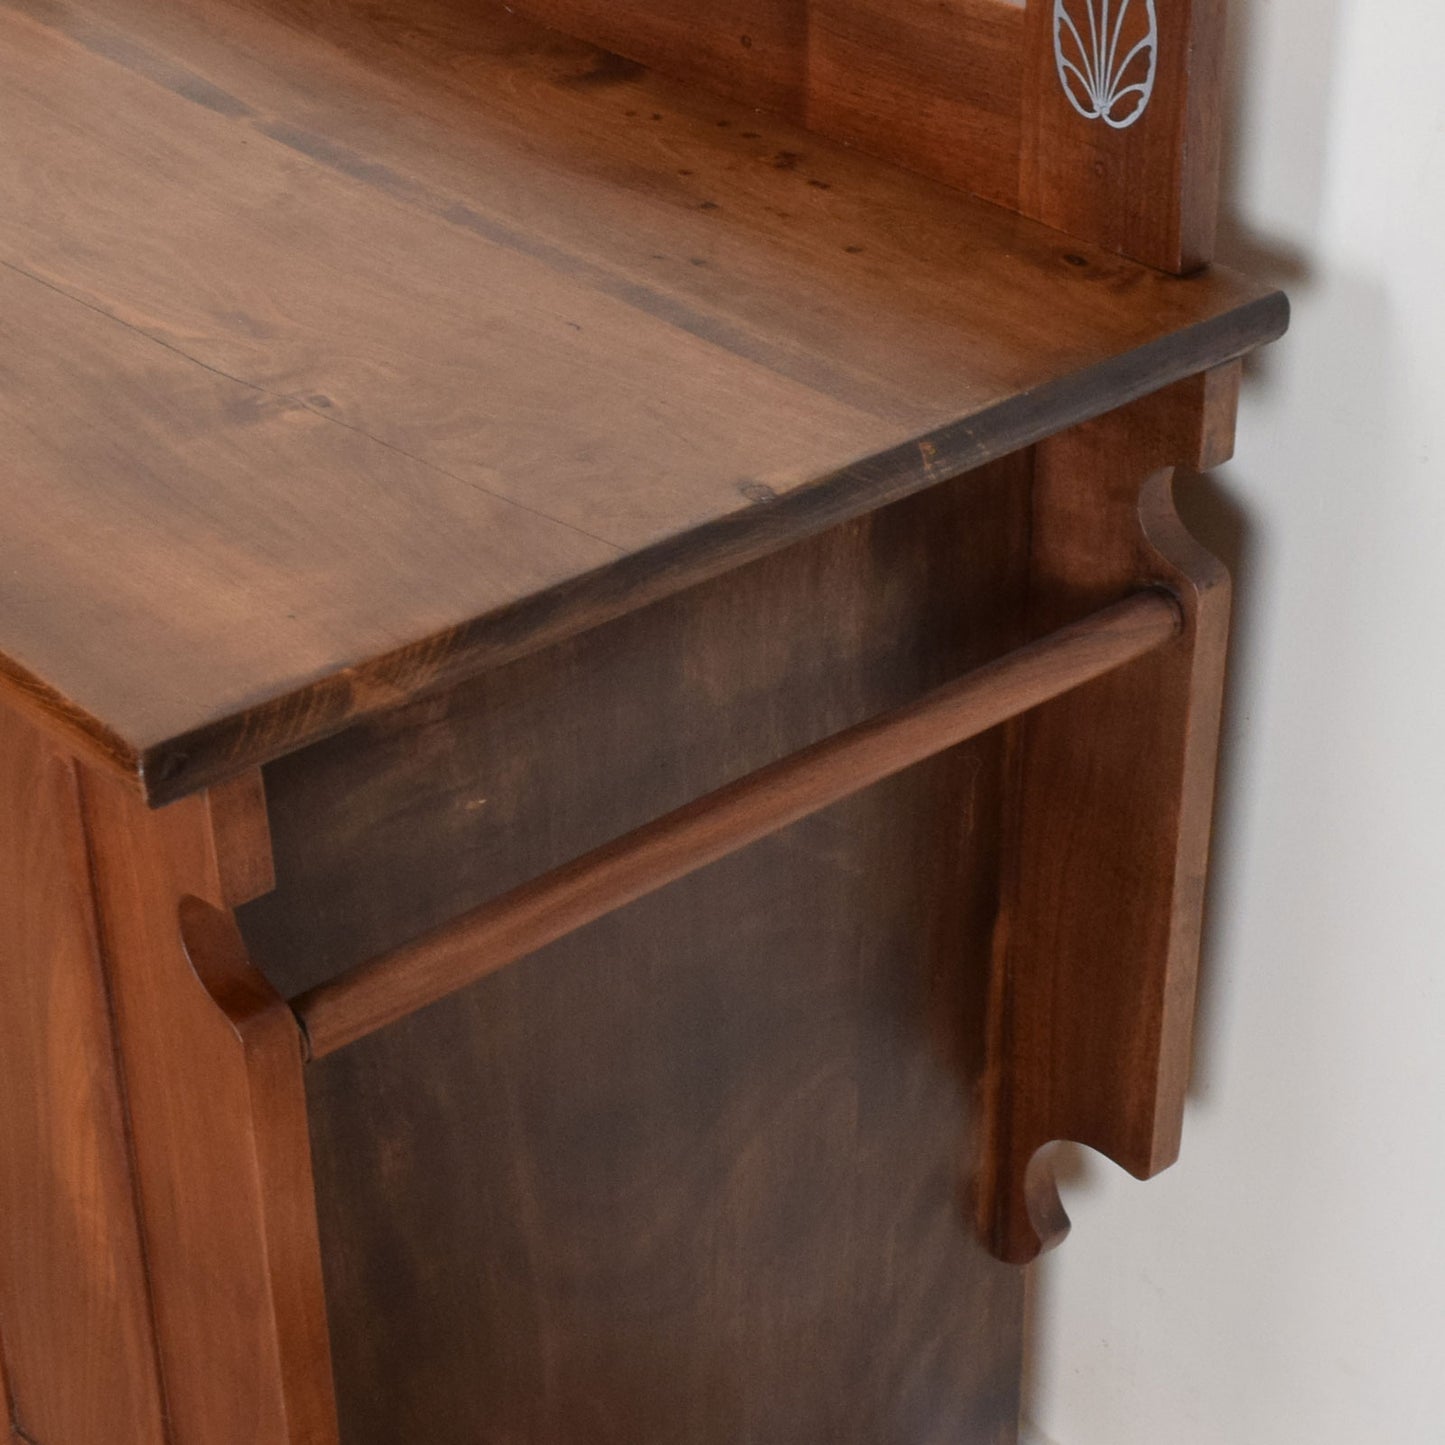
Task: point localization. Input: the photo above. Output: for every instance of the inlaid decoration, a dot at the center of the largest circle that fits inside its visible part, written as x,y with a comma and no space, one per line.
1107,53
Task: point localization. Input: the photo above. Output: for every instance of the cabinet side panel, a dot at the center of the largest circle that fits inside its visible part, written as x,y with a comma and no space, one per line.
691,1176
75,1326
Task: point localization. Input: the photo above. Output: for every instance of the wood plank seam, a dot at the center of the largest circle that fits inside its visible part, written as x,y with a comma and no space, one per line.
295,399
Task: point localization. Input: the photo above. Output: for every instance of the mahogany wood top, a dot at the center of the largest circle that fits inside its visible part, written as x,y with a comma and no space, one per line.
348,349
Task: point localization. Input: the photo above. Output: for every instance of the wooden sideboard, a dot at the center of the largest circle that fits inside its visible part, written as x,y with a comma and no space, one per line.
606,724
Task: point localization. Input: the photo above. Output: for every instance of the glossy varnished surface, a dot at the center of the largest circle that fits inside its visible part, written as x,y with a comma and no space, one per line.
348,348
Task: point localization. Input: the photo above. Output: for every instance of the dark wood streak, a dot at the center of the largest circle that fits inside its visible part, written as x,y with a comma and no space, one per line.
777,355
754,335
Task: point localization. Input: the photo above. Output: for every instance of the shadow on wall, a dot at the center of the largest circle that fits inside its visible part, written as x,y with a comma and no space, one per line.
1212,506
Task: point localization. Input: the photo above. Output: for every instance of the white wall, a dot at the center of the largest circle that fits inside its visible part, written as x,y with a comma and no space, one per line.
1284,1283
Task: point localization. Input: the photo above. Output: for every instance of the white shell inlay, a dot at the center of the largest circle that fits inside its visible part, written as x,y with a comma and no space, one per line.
1107,56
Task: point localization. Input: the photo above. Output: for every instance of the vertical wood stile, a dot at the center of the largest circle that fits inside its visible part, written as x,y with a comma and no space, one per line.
1150,189
212,1062
77,1353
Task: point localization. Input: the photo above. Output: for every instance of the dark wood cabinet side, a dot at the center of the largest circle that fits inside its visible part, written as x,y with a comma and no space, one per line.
699,1172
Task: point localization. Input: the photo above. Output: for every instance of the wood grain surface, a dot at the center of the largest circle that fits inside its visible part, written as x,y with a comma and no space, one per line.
382,990
937,88
212,1067
697,1174
77,1350
348,350
503,444
969,92
1150,189
1097,944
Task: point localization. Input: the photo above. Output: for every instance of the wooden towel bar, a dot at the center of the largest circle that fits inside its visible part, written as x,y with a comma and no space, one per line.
382,990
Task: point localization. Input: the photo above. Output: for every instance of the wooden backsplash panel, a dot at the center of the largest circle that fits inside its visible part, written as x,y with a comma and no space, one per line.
1150,189
751,50
935,87
931,84
973,93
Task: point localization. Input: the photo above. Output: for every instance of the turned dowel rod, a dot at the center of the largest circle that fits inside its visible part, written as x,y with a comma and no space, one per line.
387,988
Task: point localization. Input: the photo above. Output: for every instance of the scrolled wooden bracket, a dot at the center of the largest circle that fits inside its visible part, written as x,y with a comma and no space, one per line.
1115,710
270,1103
1097,942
